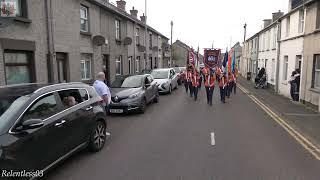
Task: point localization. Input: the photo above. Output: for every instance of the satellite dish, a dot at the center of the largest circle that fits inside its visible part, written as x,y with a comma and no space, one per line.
5,21
98,40
127,41
141,48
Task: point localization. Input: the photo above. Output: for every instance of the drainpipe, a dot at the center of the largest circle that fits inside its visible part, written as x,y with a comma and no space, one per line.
277,78
50,39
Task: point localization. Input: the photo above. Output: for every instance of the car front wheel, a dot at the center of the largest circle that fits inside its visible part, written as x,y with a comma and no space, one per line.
170,89
98,137
143,105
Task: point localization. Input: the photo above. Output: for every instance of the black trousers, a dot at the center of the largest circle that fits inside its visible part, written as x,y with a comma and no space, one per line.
231,87
191,89
200,82
195,92
186,86
209,91
223,94
227,90
235,88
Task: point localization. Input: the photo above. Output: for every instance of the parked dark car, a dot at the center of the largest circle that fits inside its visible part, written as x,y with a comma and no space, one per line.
41,125
133,94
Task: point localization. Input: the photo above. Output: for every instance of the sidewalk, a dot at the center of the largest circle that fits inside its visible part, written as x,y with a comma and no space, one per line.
300,117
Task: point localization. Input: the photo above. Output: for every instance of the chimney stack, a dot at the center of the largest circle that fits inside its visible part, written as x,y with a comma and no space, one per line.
143,18
134,12
121,5
276,15
266,22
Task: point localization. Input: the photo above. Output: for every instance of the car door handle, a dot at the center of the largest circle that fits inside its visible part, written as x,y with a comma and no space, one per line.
60,123
89,108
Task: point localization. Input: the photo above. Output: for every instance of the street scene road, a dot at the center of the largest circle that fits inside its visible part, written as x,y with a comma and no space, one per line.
183,139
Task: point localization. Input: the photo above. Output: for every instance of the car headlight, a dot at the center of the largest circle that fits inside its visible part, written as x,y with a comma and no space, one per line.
132,96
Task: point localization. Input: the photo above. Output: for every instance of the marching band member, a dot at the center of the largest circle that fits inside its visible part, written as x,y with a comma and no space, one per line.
187,79
209,84
195,83
230,84
222,84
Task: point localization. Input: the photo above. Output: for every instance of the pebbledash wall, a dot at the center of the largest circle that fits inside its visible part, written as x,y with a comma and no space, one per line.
24,44
310,90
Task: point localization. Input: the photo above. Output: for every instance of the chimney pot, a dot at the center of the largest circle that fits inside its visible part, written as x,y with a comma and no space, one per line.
121,4
143,18
134,12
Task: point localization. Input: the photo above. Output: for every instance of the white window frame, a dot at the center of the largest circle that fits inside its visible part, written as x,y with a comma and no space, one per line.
118,30
137,64
273,63
86,58
137,35
316,71
130,64
85,19
288,22
285,68
301,21
119,63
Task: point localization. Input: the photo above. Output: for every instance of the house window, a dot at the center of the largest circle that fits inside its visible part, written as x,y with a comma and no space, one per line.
119,65
318,17
150,40
268,40
12,8
18,67
137,65
316,72
273,70
130,64
288,27
137,36
84,20
86,66
285,68
298,62
117,23
301,21
274,44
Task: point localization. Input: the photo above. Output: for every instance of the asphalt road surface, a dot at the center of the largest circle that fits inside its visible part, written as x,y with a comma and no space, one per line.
179,139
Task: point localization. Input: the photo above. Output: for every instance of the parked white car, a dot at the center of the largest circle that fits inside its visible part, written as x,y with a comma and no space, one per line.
166,78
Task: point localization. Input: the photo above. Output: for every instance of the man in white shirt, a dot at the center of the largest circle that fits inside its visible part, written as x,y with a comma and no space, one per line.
102,89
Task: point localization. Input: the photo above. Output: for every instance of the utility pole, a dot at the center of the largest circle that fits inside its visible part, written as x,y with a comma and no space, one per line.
171,44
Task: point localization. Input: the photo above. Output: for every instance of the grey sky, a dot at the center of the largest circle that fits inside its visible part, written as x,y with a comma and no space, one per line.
204,21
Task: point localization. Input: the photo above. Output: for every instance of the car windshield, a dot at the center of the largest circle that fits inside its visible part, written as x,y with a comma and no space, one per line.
129,82
177,69
9,106
160,74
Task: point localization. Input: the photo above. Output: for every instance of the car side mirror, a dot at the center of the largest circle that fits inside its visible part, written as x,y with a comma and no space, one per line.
32,124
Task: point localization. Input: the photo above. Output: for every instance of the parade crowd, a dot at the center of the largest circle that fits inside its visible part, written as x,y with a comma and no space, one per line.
227,82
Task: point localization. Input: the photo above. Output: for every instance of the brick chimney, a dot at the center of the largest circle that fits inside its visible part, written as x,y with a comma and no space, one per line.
134,12
143,18
276,15
121,5
266,22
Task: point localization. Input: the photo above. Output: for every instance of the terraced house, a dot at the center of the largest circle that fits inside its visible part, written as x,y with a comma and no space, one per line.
63,41
289,42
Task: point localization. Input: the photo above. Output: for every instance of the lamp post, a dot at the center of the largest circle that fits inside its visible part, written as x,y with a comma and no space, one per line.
245,32
171,44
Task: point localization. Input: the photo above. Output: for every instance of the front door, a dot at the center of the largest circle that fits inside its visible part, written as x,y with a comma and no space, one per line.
106,68
62,67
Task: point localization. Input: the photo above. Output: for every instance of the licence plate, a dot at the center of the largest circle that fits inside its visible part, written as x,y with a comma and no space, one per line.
117,111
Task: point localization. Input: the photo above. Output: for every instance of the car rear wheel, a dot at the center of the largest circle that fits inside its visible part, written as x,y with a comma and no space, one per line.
98,137
143,105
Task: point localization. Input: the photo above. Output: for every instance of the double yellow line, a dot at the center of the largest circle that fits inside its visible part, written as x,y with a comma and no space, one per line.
304,142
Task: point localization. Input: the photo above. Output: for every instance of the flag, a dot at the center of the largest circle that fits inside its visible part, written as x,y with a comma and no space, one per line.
225,59
229,61
233,65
